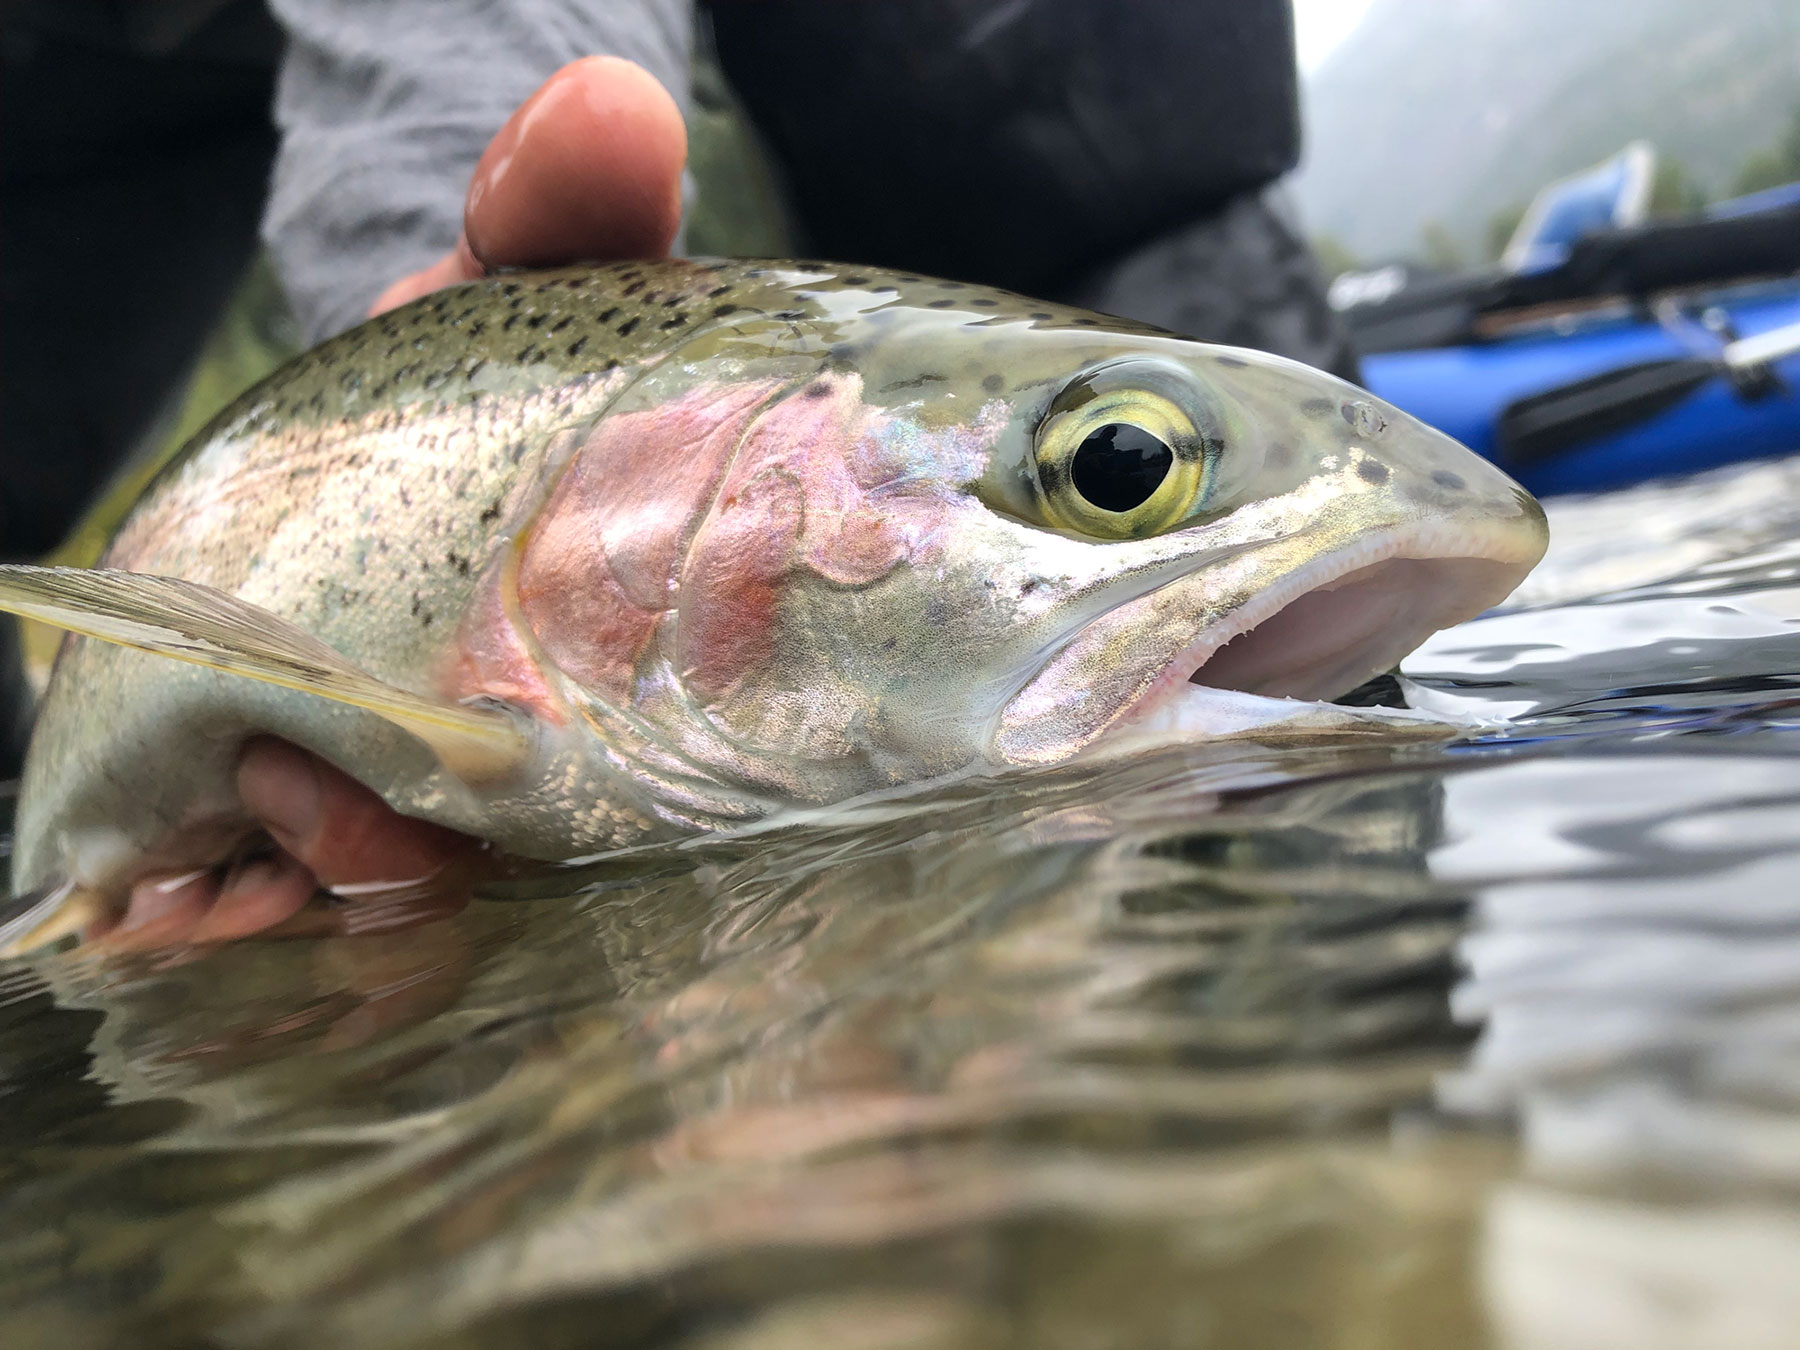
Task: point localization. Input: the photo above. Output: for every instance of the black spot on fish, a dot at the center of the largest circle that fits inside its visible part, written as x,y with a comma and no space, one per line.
490,513
671,302
633,288
608,315
1088,323
993,383
790,314
675,322
627,328
917,381
1279,456
561,323
511,319
817,389
951,286
1445,479
1317,407
1234,362
1040,314
939,304
576,346
717,291
720,311
1372,471
985,303
854,281
535,321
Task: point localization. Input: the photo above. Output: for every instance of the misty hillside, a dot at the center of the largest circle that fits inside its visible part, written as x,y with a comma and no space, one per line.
1454,110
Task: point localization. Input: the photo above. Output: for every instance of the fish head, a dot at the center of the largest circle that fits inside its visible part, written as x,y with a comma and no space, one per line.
934,535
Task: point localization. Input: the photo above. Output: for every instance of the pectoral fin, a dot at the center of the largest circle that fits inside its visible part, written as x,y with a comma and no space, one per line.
189,622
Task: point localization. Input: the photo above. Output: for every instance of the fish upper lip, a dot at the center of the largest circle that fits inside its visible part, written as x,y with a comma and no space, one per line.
1464,548
1320,575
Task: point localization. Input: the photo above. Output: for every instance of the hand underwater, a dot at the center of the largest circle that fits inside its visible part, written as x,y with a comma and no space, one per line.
588,169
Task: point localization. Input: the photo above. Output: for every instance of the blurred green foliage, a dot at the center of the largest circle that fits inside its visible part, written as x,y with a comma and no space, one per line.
1333,257
1500,228
1438,247
1674,191
1779,164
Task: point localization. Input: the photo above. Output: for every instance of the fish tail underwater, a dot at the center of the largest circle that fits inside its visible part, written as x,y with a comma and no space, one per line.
599,558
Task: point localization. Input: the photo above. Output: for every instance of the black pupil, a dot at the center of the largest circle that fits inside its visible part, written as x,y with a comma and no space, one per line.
1119,466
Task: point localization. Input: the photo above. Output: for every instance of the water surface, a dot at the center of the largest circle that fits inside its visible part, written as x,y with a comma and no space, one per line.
1349,1044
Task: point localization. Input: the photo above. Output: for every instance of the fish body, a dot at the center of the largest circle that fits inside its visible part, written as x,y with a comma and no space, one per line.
713,539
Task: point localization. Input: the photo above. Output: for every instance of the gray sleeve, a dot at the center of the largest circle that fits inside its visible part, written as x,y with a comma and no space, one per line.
384,106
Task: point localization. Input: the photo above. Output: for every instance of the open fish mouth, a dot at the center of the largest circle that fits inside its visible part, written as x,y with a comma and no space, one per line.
1312,633
1325,630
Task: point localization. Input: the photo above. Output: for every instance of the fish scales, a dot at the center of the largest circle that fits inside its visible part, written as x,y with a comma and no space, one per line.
723,538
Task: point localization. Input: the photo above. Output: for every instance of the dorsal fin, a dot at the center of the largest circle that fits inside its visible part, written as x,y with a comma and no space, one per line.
186,621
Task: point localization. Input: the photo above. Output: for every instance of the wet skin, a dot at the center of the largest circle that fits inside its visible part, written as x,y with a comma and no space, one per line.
589,168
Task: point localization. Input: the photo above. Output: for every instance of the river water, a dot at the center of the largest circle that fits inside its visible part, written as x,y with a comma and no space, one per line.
1357,1044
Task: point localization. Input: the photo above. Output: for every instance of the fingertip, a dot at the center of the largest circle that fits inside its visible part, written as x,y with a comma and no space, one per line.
452,269
283,787
163,911
256,897
588,168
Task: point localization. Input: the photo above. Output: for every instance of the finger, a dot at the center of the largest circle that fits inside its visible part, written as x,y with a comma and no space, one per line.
588,168
353,842
455,267
256,896
163,910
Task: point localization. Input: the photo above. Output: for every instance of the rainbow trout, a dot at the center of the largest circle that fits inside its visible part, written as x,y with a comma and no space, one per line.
582,559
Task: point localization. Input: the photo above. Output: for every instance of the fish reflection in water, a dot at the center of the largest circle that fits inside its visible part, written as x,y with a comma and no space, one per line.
1343,1044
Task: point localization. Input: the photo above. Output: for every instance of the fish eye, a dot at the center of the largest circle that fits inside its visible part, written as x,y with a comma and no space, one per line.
1122,463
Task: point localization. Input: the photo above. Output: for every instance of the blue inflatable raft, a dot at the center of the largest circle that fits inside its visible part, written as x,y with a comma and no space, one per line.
1603,349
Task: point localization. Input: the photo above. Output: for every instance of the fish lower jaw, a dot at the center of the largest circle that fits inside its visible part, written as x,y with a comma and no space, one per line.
1317,633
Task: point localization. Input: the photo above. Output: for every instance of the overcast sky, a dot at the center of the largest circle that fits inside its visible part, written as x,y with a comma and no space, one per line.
1319,25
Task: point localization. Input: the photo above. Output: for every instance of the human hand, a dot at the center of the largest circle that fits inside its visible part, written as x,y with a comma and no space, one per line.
588,169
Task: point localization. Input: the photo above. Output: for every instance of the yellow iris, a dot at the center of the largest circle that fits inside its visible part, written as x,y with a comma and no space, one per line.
1060,453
